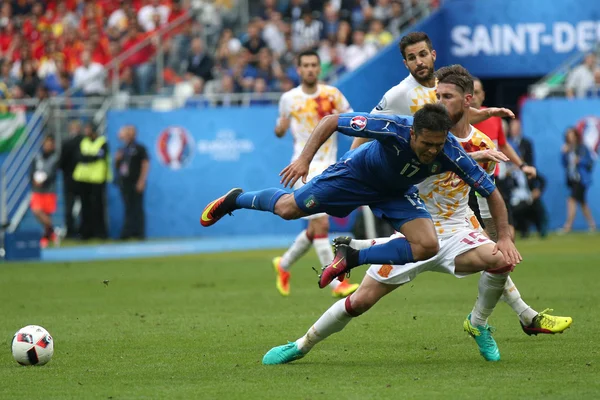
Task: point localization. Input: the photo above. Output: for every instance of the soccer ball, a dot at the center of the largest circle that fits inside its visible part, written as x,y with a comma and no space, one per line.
32,345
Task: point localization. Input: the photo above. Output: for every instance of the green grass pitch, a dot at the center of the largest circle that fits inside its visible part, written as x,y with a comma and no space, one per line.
198,326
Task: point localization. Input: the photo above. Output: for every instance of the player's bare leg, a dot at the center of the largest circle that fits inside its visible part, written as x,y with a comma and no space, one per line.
332,321
532,322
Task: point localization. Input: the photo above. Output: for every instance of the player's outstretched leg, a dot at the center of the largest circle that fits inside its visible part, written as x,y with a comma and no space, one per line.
531,321
332,321
262,200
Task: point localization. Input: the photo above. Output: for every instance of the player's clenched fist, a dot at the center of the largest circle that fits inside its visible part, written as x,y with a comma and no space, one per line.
296,170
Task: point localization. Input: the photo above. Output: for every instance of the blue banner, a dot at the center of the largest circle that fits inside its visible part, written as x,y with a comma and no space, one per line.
197,156
503,38
545,123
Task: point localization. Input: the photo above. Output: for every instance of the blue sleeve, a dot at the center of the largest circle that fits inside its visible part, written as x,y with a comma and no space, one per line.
585,158
455,159
384,128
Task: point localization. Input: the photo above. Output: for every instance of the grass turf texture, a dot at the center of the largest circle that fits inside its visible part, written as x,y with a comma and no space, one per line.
198,326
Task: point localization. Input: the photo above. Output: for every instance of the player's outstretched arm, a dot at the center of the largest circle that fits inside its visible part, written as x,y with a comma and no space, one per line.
505,241
476,116
299,168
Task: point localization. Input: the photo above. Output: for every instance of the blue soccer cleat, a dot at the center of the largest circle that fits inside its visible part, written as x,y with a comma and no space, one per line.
283,354
483,337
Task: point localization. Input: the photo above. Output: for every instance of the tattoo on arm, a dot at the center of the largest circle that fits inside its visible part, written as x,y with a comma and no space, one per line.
490,229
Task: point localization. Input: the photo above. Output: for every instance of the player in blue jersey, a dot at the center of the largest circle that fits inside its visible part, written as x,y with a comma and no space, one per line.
381,175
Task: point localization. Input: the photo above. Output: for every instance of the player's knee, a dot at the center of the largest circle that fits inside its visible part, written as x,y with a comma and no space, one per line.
500,266
287,209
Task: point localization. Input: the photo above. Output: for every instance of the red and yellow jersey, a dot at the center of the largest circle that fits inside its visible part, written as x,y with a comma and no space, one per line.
446,196
305,112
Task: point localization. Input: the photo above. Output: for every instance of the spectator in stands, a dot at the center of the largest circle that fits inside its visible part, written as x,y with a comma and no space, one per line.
197,100
243,73
382,11
140,61
6,76
306,32
253,41
43,182
274,33
227,97
578,162
200,63
92,172
526,202
146,14
29,79
396,22
331,21
595,90
69,156
522,146
132,166
581,78
258,93
90,77
268,69
359,51
377,34
294,11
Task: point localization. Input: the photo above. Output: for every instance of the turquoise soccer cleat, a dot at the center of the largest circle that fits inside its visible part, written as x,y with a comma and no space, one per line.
483,337
283,354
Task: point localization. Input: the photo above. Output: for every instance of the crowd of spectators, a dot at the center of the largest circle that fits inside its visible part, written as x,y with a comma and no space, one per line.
49,47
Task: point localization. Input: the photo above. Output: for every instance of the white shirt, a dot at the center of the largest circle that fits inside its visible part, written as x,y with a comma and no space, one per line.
406,98
355,56
306,110
147,12
580,80
90,79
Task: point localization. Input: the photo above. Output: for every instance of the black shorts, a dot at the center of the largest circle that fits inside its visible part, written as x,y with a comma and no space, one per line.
578,192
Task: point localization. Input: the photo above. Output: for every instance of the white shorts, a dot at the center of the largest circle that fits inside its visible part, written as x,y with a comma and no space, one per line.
450,248
314,170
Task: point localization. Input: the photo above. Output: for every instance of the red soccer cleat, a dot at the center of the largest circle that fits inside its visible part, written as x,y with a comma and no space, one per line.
215,210
338,267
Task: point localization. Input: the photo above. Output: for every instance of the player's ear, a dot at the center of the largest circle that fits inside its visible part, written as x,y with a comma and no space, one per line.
404,61
433,54
468,99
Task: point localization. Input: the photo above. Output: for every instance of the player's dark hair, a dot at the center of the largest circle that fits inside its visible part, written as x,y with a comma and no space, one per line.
307,53
456,75
432,117
49,138
414,38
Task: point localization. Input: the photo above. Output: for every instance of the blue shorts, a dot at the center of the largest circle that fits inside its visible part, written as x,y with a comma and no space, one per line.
338,191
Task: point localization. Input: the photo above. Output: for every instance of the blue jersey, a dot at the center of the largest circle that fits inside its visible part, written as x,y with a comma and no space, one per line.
388,163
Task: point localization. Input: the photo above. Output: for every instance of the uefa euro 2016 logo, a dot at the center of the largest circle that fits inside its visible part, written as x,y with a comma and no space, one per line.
175,147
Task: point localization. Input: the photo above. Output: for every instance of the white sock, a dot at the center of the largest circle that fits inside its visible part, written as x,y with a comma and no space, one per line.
333,320
300,246
325,254
490,287
360,244
512,297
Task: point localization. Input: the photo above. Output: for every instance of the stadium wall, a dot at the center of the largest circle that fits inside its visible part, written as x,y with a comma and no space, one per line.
198,155
545,122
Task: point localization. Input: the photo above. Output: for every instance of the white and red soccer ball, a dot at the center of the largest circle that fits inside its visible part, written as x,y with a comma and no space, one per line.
32,345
